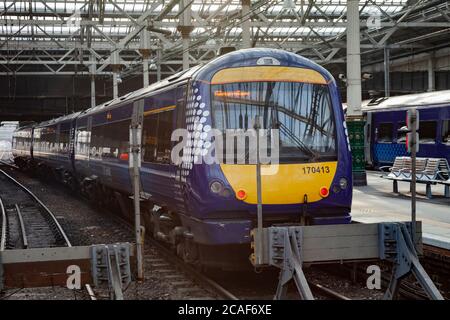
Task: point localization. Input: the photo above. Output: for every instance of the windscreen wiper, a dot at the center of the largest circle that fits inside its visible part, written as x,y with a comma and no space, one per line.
300,144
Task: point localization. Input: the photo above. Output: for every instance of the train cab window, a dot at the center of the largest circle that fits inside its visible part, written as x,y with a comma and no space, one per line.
385,133
446,131
156,135
427,131
401,132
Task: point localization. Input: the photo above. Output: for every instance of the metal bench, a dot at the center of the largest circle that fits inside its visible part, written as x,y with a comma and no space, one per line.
397,167
443,176
429,171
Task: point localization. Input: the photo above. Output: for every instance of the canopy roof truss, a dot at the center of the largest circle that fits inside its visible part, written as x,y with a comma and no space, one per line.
83,36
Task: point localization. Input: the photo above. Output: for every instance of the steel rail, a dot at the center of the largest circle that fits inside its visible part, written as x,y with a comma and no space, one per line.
3,235
328,292
52,216
171,257
217,288
22,227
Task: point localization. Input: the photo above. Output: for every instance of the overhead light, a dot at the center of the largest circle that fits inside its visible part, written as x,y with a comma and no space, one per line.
153,66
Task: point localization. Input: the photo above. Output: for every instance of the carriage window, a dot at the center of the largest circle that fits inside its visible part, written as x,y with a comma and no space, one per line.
385,132
110,140
156,136
83,138
427,131
64,141
446,131
401,135
48,139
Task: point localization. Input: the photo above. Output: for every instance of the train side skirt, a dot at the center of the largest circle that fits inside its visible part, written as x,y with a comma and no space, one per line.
289,247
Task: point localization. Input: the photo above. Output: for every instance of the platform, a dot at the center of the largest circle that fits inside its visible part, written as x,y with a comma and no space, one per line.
377,203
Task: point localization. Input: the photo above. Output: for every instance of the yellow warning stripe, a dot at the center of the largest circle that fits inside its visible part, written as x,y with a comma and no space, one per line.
159,110
268,73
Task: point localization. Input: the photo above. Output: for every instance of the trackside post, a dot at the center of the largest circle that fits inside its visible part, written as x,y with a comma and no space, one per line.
135,165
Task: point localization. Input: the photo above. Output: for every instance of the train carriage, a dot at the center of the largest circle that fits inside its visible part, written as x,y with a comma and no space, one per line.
386,120
206,210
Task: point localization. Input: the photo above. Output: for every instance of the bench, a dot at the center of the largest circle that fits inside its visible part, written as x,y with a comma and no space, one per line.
443,176
430,171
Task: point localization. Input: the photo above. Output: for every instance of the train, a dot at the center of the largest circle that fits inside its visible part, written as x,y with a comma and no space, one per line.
206,211
385,136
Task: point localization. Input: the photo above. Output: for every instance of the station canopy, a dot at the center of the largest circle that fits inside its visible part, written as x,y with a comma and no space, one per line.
92,36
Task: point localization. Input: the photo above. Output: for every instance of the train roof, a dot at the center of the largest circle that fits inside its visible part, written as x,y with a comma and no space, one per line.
259,56
245,57
131,96
420,100
57,120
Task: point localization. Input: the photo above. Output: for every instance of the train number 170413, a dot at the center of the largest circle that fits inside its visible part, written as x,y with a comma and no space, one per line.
316,169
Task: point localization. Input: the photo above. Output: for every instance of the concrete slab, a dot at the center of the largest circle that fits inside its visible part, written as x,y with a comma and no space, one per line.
377,203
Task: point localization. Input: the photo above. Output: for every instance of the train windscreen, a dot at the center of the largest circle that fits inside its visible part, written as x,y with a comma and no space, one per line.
302,113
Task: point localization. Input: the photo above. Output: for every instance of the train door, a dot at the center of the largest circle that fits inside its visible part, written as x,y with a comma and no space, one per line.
158,173
31,142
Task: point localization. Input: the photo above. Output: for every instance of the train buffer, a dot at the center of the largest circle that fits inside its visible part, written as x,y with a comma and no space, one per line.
98,265
289,247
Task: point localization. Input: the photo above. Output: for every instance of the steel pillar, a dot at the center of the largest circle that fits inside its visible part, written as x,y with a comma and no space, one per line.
431,75
387,78
158,65
186,40
145,52
115,65
185,27
355,121
245,23
115,85
92,68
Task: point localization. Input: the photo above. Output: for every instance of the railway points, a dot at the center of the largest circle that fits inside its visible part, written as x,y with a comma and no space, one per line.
225,150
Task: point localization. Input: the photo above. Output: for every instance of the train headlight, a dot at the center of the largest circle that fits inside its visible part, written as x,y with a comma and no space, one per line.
216,187
343,183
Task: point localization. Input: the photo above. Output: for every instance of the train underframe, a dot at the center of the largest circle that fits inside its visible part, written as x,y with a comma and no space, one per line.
165,225
160,223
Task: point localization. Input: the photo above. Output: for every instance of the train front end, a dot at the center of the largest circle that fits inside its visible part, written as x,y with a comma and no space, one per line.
303,145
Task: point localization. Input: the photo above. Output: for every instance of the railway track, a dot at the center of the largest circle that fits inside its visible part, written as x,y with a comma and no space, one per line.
184,279
26,221
194,284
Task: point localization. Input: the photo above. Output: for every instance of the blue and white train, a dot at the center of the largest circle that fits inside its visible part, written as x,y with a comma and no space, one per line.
207,211
386,116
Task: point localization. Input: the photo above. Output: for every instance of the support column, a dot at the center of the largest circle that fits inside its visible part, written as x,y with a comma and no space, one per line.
115,85
92,69
431,74
387,78
245,23
145,52
355,122
186,40
158,64
185,27
115,66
